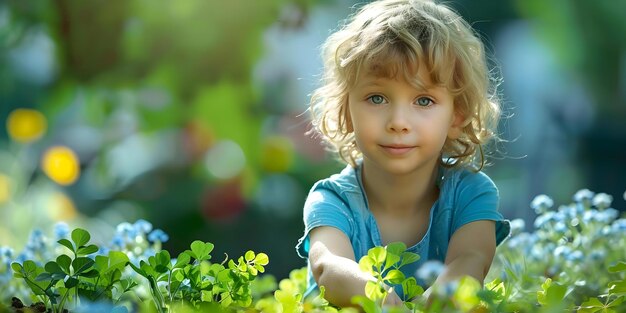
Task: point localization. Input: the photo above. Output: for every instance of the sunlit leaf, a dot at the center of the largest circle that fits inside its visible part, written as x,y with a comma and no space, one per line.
80,237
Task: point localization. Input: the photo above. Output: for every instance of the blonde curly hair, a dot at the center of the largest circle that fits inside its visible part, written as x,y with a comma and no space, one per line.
391,37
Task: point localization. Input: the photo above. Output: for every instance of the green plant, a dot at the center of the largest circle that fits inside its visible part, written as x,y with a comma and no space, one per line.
192,279
70,277
384,264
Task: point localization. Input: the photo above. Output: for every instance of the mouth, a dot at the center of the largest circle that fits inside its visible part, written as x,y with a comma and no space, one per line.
397,149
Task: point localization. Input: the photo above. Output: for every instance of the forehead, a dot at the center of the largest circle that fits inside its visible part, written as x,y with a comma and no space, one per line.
414,73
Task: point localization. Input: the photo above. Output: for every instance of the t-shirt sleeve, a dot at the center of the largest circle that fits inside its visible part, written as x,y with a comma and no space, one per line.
323,207
477,199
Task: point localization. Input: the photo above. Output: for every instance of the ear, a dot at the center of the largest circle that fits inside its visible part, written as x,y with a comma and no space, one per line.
459,121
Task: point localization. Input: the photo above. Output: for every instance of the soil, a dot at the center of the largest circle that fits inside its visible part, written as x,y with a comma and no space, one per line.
18,306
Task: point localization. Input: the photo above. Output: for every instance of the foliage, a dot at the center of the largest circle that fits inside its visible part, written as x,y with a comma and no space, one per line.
70,277
200,281
568,263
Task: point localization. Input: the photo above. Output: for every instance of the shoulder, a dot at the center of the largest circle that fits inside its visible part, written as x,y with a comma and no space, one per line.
341,183
465,180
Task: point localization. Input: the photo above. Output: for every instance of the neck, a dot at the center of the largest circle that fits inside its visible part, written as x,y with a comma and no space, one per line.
400,195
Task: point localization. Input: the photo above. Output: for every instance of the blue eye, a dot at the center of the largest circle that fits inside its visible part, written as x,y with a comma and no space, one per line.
424,101
376,99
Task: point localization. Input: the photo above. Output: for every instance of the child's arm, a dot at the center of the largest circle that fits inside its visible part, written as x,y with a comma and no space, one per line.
333,264
470,252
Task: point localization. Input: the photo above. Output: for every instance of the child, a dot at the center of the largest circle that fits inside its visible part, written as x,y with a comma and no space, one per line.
406,103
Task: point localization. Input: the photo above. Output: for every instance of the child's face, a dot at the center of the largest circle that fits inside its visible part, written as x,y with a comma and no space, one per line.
399,128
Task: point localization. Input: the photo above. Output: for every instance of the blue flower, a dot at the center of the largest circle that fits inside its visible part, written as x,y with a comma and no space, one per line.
597,255
607,216
619,226
127,230
575,256
36,241
61,230
142,226
118,241
544,218
562,251
6,252
158,235
583,196
429,271
602,201
541,204
560,228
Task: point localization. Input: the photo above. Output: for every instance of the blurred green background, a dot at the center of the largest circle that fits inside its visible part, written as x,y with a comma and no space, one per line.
191,113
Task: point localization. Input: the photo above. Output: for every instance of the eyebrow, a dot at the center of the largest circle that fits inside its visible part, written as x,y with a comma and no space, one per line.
376,83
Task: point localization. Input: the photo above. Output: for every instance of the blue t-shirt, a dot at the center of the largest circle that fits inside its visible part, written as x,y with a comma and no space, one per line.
340,202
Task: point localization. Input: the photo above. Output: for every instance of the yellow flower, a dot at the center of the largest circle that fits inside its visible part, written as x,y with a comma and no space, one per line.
61,165
4,188
26,125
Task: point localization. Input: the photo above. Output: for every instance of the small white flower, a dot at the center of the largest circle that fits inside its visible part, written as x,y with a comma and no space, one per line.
541,204
602,201
583,195
429,271
517,226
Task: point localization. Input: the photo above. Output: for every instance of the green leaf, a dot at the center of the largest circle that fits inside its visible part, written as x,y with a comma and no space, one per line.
225,299
206,296
118,260
86,250
373,291
408,258
18,270
82,264
64,262
67,244
71,282
43,277
411,289
249,256
90,274
138,270
163,259
261,259
465,293
366,264
552,293
394,277
367,304
396,248
378,255
182,260
590,306
53,268
201,250
391,259
617,287
619,267
80,237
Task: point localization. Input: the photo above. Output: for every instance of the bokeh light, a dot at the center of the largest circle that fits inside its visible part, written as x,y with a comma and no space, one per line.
225,159
277,154
26,125
61,207
4,189
61,165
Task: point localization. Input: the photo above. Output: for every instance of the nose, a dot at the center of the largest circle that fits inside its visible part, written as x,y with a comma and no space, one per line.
398,121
